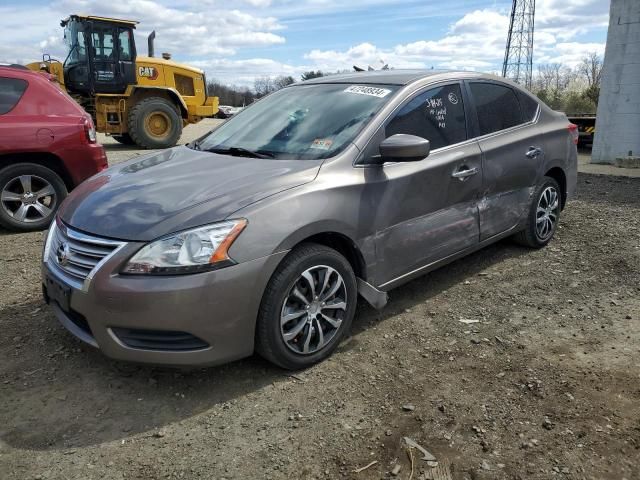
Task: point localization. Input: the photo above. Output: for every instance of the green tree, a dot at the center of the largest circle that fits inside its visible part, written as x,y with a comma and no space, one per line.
311,74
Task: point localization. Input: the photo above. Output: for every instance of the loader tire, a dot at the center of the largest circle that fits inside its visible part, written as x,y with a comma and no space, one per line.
155,123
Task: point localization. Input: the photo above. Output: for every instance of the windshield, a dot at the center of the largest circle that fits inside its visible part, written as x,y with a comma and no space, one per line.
74,40
301,122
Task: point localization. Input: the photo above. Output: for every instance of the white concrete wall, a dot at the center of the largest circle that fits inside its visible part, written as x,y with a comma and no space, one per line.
618,118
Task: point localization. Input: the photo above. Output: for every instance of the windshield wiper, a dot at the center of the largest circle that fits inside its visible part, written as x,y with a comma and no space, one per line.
240,152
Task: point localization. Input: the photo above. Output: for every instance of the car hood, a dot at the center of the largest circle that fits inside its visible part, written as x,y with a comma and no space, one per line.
176,189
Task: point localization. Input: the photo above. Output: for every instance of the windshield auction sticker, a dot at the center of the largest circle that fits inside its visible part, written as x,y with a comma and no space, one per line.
366,90
321,144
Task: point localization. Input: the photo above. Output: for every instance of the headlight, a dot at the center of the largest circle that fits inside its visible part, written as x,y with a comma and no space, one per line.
191,251
47,243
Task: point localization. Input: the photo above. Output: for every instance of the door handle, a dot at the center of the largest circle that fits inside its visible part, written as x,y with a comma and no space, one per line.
533,152
463,173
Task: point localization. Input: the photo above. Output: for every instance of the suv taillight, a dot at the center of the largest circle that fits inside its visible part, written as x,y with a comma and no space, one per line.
89,130
573,131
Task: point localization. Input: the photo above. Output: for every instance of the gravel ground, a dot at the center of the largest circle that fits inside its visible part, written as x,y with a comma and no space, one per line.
511,363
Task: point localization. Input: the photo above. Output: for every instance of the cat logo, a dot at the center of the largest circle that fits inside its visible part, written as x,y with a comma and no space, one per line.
148,72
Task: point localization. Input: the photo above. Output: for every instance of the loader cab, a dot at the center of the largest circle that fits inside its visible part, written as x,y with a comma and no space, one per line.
101,55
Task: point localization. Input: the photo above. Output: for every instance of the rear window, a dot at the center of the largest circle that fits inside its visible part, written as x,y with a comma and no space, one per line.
11,89
529,106
497,106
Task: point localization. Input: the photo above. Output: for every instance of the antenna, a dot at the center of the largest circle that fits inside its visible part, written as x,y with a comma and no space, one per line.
518,56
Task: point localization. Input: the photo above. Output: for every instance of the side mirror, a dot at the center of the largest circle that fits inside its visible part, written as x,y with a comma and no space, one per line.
404,148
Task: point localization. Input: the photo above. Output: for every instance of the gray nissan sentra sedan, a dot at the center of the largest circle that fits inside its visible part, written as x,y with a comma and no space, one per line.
261,235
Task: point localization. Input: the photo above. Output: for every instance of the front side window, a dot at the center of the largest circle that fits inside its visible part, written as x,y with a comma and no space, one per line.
102,44
124,45
437,115
497,106
11,90
301,122
75,41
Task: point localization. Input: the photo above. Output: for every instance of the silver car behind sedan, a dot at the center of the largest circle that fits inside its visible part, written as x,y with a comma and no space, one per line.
261,235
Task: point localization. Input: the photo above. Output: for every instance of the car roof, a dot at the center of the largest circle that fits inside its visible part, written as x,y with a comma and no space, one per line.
401,77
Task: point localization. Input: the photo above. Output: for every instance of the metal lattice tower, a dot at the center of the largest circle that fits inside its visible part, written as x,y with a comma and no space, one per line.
518,56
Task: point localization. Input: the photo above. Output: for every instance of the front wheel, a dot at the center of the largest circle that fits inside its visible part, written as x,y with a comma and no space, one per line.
155,123
543,217
307,307
29,196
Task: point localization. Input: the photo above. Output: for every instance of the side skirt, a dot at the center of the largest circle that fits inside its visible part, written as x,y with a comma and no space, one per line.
396,282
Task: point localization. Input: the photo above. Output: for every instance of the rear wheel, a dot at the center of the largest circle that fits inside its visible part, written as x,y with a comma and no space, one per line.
544,215
29,196
155,123
307,307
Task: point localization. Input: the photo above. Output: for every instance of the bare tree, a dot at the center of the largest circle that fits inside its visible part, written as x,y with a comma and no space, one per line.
230,94
551,83
591,70
265,85
282,81
553,77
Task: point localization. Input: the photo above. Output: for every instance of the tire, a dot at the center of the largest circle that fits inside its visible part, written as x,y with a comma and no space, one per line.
532,236
315,261
37,212
158,113
124,139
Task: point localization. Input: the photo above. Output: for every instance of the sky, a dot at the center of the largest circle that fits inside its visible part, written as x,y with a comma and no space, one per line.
236,41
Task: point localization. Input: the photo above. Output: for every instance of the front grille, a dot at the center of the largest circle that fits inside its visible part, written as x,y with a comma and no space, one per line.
161,340
75,255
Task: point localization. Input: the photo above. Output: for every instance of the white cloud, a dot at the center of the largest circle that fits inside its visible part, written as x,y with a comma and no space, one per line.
213,34
477,41
186,31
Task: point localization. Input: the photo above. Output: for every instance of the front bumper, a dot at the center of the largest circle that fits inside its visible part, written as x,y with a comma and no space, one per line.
217,308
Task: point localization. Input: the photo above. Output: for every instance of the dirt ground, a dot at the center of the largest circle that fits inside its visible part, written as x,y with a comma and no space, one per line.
545,384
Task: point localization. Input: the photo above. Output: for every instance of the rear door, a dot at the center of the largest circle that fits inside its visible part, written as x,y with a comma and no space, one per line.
427,210
511,156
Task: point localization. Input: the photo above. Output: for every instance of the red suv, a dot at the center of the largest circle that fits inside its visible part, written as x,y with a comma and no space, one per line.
47,147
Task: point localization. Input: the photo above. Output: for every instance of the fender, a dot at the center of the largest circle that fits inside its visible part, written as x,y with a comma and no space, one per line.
173,93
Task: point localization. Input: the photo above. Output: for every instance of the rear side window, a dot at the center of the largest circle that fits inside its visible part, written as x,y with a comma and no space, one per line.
11,90
437,115
528,105
497,106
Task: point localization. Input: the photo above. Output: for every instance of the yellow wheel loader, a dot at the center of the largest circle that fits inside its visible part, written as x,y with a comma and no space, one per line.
138,100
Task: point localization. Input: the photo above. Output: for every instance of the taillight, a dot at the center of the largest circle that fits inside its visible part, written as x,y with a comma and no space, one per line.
573,131
89,130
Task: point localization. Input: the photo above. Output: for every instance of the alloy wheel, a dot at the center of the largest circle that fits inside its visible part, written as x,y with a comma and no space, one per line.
547,213
28,198
313,310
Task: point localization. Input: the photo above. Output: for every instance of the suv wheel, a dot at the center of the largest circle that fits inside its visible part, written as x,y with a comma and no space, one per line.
307,307
29,196
544,215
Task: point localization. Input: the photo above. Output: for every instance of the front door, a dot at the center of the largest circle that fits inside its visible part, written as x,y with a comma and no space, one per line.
511,157
113,64
428,209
